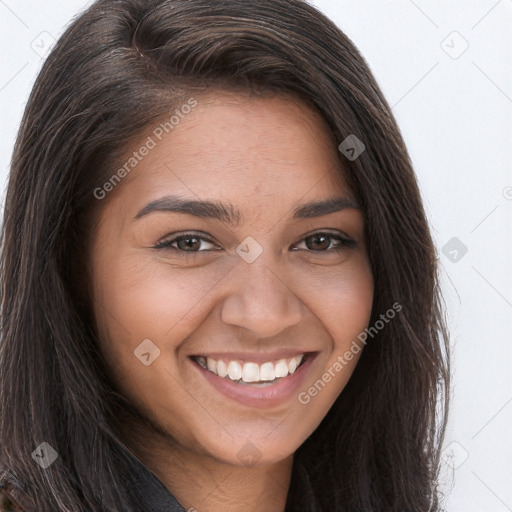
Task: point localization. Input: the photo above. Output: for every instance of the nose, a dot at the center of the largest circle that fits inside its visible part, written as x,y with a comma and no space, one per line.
260,300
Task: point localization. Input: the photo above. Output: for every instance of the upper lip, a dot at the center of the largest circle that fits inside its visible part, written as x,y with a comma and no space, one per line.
256,357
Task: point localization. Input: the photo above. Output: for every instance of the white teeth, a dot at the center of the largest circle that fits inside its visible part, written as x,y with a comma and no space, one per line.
281,369
222,369
251,372
267,371
294,363
234,370
211,364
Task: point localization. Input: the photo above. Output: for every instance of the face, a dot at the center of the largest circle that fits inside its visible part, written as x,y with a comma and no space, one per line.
229,274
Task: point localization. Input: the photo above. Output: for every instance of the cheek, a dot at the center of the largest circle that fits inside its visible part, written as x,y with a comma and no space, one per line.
349,309
342,299
138,299
342,302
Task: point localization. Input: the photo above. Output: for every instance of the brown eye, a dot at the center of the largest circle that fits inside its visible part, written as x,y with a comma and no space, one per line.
191,243
318,242
327,242
187,243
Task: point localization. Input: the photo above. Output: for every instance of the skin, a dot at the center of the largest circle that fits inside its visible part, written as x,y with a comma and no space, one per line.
265,156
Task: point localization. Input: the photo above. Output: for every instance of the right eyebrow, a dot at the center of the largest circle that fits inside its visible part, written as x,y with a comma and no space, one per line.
204,209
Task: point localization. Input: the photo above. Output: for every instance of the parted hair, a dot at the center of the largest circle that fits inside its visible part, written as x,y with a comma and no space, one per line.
120,66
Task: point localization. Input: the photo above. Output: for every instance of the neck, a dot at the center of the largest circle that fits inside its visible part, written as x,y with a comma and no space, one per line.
200,482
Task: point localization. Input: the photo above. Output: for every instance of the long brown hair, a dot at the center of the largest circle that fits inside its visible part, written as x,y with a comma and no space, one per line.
121,65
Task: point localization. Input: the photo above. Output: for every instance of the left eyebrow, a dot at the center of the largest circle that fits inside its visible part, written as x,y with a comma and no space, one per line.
227,213
319,208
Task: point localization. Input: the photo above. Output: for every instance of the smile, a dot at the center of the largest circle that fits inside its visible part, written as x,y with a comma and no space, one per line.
256,380
251,372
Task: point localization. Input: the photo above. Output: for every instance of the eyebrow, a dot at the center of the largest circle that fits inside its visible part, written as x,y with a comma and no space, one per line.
228,214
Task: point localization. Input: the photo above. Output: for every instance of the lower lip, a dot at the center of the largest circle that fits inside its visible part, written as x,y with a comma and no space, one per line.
267,396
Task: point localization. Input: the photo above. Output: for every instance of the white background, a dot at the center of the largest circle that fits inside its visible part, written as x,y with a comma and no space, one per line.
455,112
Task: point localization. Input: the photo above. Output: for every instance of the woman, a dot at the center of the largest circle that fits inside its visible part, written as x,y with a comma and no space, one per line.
219,286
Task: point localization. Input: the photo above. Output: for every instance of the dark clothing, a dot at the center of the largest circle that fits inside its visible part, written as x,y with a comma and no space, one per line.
146,488
150,490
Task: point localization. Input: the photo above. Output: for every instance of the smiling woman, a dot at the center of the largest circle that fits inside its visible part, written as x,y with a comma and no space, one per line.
219,289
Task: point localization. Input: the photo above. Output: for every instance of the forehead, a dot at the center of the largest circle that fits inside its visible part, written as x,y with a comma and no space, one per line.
234,146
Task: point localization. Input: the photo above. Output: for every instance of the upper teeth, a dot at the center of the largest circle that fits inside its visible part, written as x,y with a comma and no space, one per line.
251,372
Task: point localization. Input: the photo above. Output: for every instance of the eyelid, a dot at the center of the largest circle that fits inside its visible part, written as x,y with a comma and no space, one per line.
330,232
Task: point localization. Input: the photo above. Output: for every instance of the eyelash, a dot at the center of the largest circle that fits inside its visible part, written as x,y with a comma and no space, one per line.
165,245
